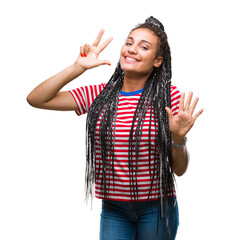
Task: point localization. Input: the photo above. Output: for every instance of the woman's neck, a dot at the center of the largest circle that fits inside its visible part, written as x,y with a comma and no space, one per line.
131,83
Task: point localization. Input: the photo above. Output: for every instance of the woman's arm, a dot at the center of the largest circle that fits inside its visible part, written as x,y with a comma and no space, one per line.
179,126
180,157
47,95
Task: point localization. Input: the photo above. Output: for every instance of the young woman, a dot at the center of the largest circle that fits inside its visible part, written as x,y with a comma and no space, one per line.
136,132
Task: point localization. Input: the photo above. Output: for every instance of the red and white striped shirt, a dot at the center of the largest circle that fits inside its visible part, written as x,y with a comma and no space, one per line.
120,188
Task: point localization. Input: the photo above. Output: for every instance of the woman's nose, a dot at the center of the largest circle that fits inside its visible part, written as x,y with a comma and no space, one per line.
133,49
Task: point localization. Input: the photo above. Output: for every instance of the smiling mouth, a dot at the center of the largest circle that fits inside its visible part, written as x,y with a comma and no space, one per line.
129,59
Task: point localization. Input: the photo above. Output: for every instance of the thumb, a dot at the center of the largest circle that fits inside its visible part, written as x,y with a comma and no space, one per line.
169,111
104,62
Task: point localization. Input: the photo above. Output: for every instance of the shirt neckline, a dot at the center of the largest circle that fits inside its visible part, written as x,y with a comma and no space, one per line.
131,93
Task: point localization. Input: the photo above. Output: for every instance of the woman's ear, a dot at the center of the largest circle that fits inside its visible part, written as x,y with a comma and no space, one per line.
158,61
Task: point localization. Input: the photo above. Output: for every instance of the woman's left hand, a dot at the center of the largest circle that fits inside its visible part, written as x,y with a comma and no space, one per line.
184,120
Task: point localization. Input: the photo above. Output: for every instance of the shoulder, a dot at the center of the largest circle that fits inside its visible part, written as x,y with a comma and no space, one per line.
175,99
174,88
89,89
175,93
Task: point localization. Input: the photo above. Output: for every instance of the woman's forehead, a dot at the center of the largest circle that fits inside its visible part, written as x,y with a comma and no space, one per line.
142,34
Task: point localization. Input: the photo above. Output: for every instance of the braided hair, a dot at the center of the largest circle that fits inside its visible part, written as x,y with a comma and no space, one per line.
156,96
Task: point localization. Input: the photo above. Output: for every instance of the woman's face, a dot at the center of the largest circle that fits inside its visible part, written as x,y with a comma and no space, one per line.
139,51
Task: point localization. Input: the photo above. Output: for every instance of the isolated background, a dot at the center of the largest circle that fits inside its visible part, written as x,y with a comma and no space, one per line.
42,157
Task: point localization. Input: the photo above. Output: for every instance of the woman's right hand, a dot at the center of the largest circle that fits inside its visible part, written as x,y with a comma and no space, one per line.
88,57
47,95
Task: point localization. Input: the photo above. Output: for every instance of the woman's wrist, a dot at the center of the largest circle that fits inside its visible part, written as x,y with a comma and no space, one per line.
77,69
178,139
180,145
179,142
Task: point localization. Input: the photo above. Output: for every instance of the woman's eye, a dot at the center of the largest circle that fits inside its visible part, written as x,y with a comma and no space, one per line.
128,44
144,48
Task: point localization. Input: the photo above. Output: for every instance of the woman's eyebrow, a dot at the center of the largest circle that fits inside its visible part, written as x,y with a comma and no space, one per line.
131,38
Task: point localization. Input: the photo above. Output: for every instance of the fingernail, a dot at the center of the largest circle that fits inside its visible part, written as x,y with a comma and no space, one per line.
109,64
84,55
81,55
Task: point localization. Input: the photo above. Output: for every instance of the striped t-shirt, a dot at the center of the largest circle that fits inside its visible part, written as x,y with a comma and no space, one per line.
120,188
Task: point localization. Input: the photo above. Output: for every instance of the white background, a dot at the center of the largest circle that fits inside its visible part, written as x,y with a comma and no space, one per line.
42,161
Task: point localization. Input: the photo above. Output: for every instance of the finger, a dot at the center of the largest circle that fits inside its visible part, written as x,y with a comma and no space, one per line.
169,111
81,51
181,105
198,114
105,44
188,102
192,109
98,39
86,49
104,62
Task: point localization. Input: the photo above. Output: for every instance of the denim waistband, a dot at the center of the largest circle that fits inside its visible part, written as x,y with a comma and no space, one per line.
134,210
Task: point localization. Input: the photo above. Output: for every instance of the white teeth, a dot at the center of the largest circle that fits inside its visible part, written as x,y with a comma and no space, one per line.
130,59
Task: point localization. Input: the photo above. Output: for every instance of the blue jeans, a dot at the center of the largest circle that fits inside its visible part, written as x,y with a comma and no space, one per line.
120,222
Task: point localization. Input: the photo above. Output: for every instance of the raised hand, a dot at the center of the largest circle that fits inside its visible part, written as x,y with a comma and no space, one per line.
88,57
184,120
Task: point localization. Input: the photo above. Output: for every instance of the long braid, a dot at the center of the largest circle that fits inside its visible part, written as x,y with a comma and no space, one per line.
105,103
156,96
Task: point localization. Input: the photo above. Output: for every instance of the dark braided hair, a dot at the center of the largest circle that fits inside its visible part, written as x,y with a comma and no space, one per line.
156,96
